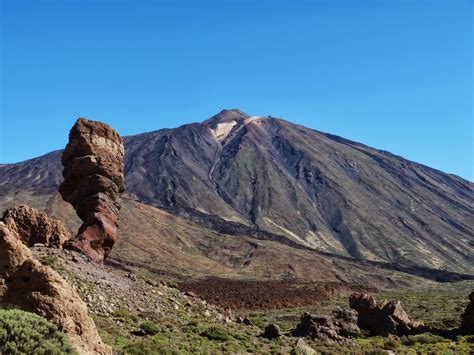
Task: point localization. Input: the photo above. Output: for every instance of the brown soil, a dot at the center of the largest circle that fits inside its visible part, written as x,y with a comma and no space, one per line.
238,294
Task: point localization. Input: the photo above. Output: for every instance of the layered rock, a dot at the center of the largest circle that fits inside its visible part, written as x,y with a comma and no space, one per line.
467,319
339,327
28,285
93,183
386,318
32,226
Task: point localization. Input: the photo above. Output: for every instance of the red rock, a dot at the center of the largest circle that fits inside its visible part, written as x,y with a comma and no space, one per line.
93,183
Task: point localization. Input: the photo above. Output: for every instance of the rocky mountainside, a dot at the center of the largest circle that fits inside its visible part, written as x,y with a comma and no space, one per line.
269,179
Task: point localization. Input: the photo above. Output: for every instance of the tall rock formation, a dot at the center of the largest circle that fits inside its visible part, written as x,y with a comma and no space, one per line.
93,183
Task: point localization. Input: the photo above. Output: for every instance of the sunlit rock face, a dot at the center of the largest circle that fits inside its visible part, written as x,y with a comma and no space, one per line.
93,183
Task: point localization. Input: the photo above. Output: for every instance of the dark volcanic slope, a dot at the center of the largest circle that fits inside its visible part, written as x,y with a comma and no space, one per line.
315,189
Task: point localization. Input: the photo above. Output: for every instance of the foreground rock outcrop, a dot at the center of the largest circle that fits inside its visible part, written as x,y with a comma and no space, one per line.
33,226
384,319
30,286
467,319
93,183
339,327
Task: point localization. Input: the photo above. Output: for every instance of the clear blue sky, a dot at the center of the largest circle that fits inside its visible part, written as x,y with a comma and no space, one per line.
393,74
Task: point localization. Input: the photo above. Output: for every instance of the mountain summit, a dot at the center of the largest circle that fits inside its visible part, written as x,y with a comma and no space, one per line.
252,175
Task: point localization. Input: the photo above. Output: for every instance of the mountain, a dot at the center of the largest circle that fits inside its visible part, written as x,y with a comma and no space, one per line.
270,180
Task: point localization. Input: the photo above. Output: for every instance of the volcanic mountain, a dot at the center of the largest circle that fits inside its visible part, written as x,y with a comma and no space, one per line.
266,179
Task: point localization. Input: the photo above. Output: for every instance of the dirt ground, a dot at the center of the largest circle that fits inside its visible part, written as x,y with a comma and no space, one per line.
238,294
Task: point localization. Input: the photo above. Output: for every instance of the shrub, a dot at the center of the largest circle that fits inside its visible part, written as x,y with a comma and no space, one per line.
27,333
48,259
149,327
216,333
121,313
172,284
423,338
392,343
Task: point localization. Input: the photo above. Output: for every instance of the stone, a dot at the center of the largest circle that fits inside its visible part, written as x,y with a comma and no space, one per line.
93,183
271,331
383,319
301,348
27,284
247,321
339,327
35,228
467,319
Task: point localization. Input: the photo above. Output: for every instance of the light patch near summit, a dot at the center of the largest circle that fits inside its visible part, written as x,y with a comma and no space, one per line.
222,130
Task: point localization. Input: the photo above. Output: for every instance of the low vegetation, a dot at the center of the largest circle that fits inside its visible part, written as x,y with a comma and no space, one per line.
49,260
27,333
203,335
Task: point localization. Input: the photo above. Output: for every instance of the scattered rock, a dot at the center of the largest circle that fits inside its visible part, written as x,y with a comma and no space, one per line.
243,320
228,312
384,319
151,283
33,287
301,348
190,294
339,327
93,183
138,333
272,331
467,319
247,321
35,228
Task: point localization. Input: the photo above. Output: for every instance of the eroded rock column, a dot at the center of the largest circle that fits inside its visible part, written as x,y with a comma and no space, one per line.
93,183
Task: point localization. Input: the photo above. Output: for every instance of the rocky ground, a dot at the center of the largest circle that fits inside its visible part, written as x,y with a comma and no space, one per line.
136,314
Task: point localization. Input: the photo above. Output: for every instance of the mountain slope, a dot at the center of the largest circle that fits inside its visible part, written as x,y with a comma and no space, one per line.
240,174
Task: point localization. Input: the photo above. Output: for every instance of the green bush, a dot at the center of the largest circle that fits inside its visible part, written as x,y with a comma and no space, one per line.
48,259
423,338
217,333
27,333
149,327
392,343
121,313
172,284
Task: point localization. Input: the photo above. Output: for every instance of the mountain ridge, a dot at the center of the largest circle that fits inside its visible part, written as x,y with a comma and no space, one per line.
314,189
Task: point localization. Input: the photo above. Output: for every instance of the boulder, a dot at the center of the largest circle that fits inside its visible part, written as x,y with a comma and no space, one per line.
386,318
339,327
467,319
272,331
35,227
301,348
30,286
93,183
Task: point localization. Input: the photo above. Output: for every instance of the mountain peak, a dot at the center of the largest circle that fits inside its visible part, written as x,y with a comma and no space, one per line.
227,115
